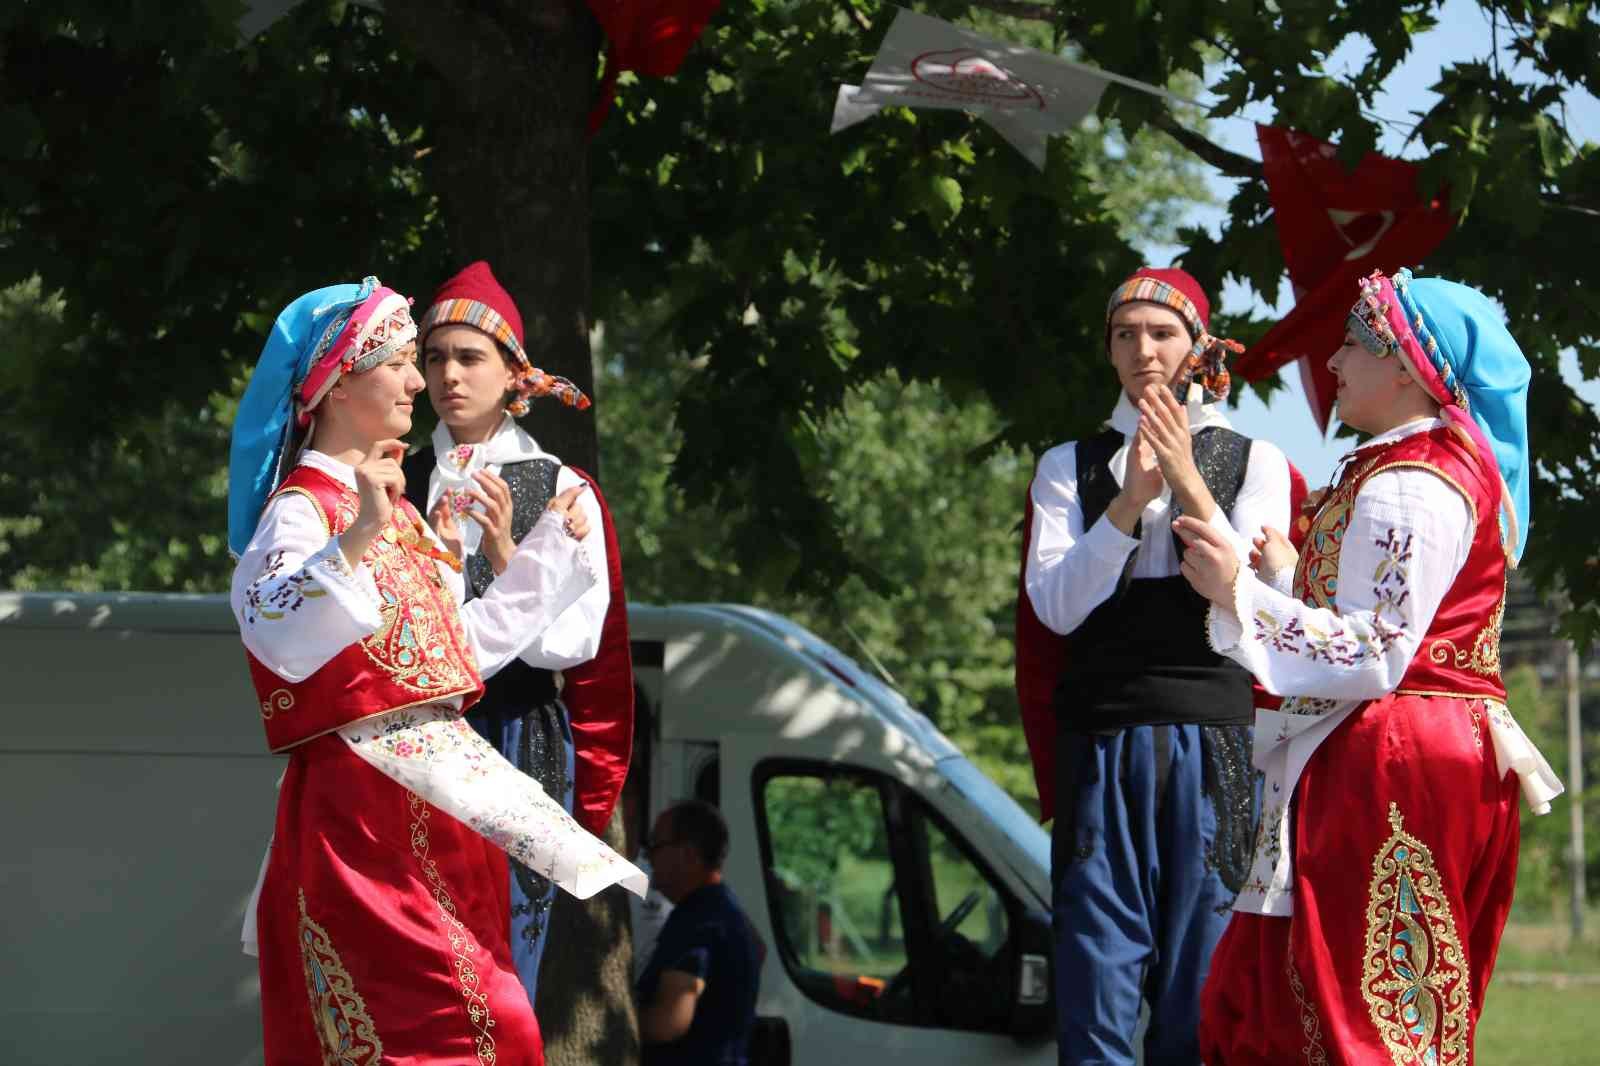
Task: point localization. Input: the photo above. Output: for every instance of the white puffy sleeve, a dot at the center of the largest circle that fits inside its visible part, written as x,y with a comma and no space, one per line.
1408,537
1069,572
1263,499
548,574
574,637
297,601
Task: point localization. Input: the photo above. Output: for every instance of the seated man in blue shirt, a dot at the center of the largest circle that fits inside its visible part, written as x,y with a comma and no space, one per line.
697,996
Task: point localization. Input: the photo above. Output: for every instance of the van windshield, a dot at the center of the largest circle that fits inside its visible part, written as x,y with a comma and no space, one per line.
1007,815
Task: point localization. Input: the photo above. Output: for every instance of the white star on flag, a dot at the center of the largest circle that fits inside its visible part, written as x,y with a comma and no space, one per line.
1025,94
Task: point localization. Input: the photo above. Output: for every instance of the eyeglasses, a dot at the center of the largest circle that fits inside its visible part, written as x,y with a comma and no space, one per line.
657,845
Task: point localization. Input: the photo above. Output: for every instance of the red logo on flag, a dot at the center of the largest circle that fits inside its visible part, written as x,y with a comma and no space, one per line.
964,72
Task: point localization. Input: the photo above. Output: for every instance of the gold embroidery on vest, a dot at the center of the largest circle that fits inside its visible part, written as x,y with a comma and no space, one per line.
279,700
1414,975
462,946
1316,572
338,1013
420,644
1484,658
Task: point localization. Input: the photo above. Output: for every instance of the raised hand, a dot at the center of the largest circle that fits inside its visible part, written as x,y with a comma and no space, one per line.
1143,479
443,520
379,485
493,515
1164,424
1272,553
1141,483
566,505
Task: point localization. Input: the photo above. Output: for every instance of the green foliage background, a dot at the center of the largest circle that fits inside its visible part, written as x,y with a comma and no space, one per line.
826,363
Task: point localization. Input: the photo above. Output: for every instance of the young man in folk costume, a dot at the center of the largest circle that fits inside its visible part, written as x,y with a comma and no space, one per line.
1140,733
381,912
563,710
1381,881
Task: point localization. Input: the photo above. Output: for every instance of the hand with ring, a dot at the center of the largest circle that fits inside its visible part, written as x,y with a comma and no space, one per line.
574,520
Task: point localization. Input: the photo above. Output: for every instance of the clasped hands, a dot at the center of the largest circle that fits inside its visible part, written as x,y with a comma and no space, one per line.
1163,453
1211,566
380,483
493,513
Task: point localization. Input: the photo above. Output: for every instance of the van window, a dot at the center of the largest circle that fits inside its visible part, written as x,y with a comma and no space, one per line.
971,933
879,907
831,885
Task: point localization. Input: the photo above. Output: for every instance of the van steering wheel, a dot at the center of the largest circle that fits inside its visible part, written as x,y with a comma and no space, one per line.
946,928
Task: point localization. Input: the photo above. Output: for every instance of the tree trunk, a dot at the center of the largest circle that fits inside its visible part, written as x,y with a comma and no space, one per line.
510,158
585,1006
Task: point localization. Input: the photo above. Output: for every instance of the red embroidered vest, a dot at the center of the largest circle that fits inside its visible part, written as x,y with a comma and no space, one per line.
1460,655
418,655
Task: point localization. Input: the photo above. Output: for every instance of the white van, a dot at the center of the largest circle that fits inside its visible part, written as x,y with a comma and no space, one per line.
903,898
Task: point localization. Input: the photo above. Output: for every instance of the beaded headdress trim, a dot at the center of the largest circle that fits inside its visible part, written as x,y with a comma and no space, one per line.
362,335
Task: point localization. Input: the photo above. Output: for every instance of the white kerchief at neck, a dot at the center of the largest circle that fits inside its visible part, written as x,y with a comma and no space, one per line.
343,472
1125,420
454,466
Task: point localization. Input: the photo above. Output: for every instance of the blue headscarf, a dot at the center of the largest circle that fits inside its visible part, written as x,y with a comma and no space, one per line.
264,428
1483,372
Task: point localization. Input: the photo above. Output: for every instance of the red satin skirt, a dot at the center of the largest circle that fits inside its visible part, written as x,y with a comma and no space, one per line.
383,928
1405,838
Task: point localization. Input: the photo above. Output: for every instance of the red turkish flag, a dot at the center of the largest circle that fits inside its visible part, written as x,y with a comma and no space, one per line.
650,36
1335,227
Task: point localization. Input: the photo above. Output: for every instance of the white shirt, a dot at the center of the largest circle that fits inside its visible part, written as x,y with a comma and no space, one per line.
1070,572
1408,537
575,636
299,603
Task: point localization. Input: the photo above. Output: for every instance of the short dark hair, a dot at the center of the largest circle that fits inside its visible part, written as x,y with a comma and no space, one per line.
701,826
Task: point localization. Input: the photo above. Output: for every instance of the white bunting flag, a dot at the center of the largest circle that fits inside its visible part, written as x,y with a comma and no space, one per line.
1025,94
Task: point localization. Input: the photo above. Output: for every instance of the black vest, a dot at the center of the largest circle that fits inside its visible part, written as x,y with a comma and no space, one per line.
518,686
1141,657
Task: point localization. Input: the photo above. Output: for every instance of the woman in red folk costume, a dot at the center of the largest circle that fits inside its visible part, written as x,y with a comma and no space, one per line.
1367,929
381,915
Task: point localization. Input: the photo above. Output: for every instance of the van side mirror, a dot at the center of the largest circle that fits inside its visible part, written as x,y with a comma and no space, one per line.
1033,1010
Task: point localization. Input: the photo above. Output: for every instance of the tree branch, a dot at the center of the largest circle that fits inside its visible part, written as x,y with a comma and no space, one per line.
856,15
1230,163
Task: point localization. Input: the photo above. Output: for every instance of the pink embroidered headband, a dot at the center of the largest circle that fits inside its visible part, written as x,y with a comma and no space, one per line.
1387,322
378,328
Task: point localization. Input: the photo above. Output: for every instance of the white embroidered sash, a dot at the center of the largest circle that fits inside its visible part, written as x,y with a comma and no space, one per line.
433,752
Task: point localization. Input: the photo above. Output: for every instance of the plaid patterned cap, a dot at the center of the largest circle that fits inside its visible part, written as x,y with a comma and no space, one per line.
1169,287
1178,290
474,297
